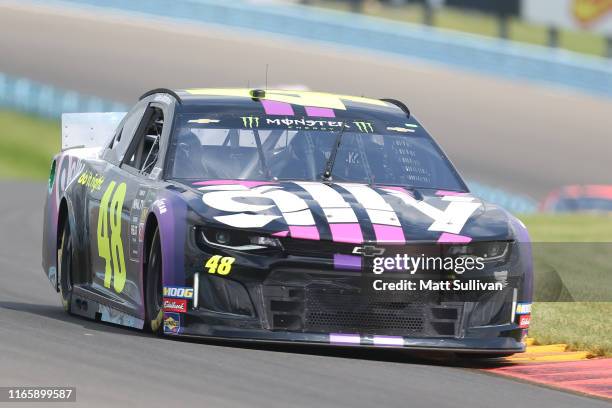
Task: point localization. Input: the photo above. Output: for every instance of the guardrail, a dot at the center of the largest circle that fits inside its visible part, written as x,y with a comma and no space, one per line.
490,55
515,203
24,95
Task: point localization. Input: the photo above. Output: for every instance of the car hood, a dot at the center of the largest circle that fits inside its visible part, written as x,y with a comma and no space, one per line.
347,212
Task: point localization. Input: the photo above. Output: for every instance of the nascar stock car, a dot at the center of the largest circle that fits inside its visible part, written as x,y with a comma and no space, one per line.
261,215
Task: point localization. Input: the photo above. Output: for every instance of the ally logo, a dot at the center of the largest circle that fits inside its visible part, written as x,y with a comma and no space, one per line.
256,207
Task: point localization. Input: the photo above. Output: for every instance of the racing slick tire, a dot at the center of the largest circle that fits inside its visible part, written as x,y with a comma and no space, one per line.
153,293
64,265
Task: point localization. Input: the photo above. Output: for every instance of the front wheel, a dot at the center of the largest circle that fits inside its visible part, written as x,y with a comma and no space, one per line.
153,291
64,263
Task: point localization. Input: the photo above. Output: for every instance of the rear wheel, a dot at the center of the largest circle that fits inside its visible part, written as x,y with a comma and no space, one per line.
64,263
153,290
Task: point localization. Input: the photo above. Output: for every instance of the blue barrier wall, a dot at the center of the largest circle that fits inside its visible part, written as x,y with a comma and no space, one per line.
515,203
28,96
490,55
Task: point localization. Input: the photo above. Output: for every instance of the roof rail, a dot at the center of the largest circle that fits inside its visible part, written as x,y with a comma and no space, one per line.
162,90
399,104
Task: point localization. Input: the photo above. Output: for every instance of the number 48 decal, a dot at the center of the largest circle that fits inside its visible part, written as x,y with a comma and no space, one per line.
220,265
111,248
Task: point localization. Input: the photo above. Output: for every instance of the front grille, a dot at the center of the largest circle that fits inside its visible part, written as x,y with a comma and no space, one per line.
329,309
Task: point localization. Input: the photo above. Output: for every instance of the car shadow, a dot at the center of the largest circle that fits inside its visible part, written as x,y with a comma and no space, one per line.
392,355
57,313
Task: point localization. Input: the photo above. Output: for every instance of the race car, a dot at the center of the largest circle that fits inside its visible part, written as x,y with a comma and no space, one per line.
579,198
271,215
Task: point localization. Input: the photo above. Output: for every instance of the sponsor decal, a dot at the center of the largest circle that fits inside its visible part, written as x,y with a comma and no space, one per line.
172,323
254,214
400,129
306,124
450,220
524,321
343,222
245,207
523,308
179,292
175,305
364,127
91,180
592,15
65,172
250,121
588,11
161,204
138,216
368,250
204,121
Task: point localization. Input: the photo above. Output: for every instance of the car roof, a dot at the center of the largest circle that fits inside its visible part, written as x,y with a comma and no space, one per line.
275,101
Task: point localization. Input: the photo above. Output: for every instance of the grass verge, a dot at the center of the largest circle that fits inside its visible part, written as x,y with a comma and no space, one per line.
580,325
27,145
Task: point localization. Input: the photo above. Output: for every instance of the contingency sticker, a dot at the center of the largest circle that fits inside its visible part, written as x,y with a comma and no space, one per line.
172,323
523,308
178,292
175,305
138,205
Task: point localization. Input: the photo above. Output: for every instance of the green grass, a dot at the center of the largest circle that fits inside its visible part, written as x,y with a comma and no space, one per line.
27,145
585,271
569,227
478,23
580,325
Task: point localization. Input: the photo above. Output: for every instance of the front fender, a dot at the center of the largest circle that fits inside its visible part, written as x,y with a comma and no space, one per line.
170,210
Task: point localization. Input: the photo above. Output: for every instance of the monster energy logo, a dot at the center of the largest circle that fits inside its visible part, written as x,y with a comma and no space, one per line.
250,121
365,127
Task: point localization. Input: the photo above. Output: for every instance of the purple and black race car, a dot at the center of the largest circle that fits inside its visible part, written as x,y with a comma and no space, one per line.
271,215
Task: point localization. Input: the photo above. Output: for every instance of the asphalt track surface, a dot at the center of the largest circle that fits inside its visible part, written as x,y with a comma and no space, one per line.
112,366
519,136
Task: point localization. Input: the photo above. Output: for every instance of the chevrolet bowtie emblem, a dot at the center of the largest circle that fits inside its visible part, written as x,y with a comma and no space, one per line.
368,250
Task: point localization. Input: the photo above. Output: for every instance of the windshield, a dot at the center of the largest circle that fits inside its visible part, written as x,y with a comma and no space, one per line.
260,148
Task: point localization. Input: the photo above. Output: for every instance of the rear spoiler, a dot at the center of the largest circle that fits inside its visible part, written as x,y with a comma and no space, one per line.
91,129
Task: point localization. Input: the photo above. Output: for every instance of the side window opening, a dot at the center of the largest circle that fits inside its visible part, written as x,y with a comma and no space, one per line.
146,151
116,138
118,146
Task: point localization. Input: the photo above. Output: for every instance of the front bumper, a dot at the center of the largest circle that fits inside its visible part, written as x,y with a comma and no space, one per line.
489,342
308,297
